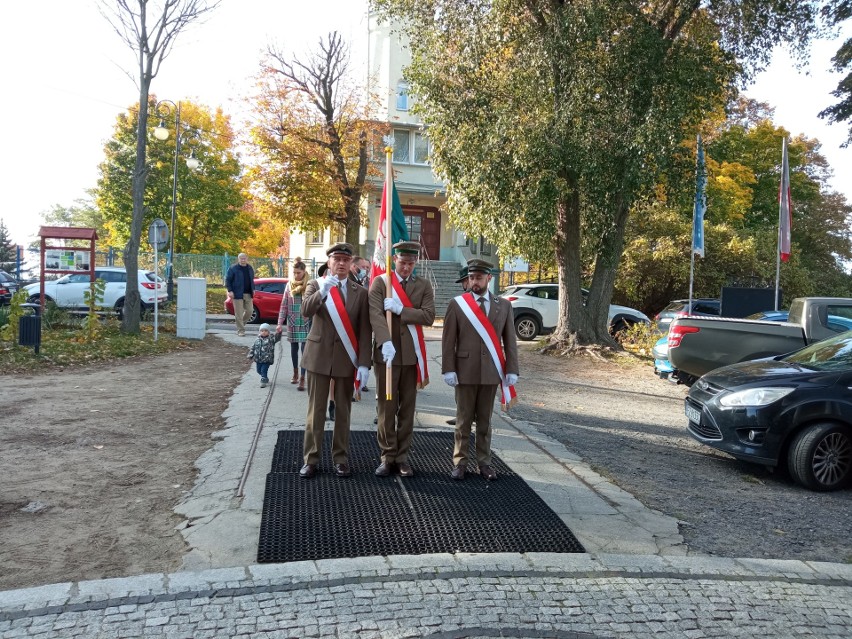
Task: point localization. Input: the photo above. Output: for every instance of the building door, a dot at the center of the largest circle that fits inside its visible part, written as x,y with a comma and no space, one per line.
424,226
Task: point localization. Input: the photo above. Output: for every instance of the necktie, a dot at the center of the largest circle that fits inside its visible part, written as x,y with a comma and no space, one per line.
482,304
403,283
342,291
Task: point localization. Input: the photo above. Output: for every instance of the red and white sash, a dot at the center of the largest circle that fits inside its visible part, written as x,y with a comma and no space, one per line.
485,329
416,333
336,308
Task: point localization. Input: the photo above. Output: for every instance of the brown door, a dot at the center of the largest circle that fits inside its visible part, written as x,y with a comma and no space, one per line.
424,226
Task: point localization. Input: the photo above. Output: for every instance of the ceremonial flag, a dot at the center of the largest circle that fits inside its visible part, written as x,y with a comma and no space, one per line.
398,230
700,202
785,207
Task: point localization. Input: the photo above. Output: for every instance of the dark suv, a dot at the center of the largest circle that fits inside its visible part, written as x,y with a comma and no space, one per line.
8,287
681,308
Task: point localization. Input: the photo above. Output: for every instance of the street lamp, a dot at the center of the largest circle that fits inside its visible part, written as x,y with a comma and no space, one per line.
164,109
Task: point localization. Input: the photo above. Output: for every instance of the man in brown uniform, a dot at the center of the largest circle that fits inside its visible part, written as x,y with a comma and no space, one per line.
413,306
335,305
469,365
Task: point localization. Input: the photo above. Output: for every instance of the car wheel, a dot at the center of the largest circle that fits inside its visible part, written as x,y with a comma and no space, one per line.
527,327
820,457
618,326
255,316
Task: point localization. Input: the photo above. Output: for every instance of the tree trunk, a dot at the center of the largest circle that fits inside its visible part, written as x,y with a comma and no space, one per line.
568,263
132,302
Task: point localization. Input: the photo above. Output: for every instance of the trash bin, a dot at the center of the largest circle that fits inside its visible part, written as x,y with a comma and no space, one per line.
29,331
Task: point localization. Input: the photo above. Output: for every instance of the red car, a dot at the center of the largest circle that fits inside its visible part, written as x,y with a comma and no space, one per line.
268,292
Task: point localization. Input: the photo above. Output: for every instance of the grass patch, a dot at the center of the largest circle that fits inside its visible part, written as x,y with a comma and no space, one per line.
66,347
216,299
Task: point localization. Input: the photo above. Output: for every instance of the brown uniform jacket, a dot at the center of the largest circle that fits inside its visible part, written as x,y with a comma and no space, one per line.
422,297
465,354
324,352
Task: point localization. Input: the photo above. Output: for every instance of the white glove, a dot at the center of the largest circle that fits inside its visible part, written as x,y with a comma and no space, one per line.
393,305
511,379
363,376
388,351
451,379
327,284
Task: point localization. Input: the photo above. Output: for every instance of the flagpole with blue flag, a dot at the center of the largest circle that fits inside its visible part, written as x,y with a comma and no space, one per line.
699,208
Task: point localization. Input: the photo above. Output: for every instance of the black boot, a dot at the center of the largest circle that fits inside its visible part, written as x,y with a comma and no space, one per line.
331,410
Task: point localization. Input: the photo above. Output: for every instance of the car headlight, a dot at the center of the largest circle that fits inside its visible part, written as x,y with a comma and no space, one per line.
754,397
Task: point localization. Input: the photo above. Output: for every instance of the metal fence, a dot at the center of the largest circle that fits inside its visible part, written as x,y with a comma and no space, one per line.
212,268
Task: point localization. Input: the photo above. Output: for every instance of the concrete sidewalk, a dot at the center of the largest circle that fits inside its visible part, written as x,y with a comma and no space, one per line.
636,580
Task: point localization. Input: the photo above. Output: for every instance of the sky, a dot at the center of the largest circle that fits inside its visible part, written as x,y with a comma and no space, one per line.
67,75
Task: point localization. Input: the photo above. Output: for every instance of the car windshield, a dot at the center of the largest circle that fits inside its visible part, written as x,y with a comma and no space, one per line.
834,353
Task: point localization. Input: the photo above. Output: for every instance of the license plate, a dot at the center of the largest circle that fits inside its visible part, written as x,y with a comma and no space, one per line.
693,414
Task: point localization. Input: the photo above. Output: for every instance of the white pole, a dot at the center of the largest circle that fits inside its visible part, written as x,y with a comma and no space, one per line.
156,286
781,195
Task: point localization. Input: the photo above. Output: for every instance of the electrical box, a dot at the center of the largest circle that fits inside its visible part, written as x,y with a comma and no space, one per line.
191,307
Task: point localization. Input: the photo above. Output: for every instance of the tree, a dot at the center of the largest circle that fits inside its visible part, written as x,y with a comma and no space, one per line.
837,11
741,223
8,250
149,28
313,135
209,211
551,121
82,212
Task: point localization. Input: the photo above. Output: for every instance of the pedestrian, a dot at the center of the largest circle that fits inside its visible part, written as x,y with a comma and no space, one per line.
263,352
338,349
298,326
463,281
412,304
479,354
240,284
358,270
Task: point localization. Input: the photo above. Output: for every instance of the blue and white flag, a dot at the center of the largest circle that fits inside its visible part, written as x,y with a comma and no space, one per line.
700,202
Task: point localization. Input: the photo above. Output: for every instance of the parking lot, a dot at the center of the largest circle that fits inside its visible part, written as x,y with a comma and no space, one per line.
630,426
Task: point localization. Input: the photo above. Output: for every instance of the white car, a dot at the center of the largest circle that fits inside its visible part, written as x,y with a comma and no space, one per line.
69,290
536,308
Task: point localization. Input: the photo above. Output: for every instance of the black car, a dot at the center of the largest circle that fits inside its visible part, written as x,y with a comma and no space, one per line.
793,409
8,287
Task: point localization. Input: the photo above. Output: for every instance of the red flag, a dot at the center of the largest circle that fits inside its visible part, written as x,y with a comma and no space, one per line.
785,207
398,230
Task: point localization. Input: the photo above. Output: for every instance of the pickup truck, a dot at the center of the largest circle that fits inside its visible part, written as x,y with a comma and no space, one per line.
698,345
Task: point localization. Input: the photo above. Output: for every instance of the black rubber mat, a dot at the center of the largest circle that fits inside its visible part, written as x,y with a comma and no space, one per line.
330,517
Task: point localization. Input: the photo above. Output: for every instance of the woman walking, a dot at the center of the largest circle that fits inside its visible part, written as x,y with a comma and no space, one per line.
298,326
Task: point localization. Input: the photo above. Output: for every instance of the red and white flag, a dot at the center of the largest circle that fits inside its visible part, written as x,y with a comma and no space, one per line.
785,207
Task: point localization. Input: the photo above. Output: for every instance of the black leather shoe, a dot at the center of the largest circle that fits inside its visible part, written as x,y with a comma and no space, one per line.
343,470
308,471
452,422
458,473
488,472
405,469
331,411
384,470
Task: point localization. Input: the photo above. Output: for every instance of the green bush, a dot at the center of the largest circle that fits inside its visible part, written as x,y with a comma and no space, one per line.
640,338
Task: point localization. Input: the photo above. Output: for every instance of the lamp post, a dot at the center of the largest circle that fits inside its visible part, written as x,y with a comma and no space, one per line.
164,109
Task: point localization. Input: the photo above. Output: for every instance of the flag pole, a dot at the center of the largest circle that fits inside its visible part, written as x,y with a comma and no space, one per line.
781,196
388,249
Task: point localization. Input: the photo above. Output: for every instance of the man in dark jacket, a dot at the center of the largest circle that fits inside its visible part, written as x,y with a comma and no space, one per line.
240,284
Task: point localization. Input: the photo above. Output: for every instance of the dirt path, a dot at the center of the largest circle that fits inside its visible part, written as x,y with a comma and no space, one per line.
94,460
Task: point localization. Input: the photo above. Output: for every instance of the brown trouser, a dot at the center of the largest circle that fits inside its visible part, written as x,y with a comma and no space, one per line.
396,415
242,311
318,386
474,403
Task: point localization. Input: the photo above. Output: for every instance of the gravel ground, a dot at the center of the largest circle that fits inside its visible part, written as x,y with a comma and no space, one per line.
630,427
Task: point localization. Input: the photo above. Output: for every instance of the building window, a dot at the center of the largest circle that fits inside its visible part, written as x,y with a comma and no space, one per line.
414,223
315,237
401,146
340,234
421,148
402,97
484,247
